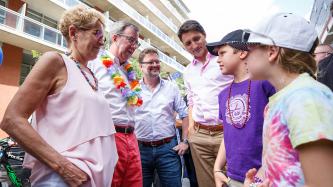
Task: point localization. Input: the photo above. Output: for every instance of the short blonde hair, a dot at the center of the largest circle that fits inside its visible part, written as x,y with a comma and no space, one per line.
79,16
295,61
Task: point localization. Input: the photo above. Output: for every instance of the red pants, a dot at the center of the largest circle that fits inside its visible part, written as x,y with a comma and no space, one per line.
128,171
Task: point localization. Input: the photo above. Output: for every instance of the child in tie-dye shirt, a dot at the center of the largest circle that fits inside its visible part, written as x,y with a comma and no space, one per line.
298,120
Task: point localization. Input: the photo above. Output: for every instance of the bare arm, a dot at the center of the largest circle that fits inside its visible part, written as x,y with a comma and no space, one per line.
185,127
220,162
190,121
47,77
317,162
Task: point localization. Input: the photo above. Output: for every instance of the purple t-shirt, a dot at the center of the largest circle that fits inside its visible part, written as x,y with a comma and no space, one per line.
243,145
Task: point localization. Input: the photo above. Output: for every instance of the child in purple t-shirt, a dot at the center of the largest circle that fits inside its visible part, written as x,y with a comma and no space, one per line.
241,108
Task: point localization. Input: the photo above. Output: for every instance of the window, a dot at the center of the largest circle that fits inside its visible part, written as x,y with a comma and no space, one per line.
2,12
41,18
27,64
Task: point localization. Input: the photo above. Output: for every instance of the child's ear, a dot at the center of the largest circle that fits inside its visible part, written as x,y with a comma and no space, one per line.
243,55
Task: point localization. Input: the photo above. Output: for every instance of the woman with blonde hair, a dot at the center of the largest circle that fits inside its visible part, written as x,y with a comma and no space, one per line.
298,120
71,141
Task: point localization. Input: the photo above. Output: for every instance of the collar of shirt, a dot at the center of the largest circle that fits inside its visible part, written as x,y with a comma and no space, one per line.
208,59
145,87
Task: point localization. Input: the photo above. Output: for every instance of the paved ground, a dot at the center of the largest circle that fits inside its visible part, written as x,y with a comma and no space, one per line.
186,182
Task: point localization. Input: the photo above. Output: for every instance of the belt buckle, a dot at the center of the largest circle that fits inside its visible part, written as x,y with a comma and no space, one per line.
125,131
153,144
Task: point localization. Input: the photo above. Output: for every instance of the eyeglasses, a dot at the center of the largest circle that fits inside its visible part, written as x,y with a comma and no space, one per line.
264,39
151,62
322,52
131,40
96,32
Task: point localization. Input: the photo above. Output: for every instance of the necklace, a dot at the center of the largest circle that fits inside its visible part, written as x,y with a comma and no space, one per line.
247,106
130,92
95,88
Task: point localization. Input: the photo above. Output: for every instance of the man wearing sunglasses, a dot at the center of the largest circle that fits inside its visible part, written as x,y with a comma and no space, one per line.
124,41
155,124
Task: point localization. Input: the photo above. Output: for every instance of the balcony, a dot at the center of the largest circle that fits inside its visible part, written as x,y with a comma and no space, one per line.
160,15
182,7
124,7
14,26
163,57
27,33
69,3
173,10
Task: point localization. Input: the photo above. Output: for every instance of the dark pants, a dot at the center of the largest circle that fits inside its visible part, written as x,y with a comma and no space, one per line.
165,161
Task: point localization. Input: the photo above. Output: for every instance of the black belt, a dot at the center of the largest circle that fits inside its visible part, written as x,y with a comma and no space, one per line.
157,142
125,130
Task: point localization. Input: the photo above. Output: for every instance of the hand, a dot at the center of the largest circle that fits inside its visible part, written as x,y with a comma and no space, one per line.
72,175
249,178
181,148
220,179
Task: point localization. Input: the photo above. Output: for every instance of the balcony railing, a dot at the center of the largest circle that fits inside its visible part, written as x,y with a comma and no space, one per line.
172,9
157,12
163,57
23,24
181,6
70,3
146,23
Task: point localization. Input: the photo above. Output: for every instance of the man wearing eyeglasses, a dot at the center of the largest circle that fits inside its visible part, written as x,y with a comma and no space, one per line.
324,58
322,51
124,41
155,124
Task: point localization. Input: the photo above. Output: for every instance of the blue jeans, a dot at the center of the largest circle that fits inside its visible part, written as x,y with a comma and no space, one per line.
165,161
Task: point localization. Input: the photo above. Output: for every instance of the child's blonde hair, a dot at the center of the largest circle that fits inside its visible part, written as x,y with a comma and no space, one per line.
295,61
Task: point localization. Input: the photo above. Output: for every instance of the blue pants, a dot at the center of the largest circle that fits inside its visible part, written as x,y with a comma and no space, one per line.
165,161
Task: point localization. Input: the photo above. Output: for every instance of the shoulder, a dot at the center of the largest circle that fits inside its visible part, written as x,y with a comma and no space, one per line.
312,97
224,93
50,61
265,86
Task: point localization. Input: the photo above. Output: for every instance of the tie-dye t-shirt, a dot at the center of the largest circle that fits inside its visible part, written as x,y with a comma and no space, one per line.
299,113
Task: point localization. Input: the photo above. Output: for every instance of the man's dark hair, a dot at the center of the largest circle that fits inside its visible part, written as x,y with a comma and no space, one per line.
188,26
331,8
146,51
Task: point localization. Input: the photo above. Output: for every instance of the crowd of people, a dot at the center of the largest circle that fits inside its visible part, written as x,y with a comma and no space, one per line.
258,112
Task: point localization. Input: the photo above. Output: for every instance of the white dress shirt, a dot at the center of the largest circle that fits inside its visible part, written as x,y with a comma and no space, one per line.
155,119
204,82
122,113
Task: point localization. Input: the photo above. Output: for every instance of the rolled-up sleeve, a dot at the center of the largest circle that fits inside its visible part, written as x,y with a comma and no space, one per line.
179,103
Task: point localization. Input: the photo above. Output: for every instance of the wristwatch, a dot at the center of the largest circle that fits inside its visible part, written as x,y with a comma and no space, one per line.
185,140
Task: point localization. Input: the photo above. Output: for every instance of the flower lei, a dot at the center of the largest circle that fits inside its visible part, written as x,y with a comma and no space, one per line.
131,92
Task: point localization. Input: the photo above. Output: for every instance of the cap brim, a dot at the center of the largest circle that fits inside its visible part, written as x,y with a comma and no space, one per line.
212,46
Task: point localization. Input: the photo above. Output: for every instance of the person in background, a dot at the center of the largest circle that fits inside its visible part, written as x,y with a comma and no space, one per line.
117,80
203,81
298,120
71,141
324,58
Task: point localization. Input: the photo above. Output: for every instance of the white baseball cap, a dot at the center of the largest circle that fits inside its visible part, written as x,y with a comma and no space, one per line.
285,30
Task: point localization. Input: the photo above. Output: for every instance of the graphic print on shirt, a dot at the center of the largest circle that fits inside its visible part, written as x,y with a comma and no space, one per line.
238,109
